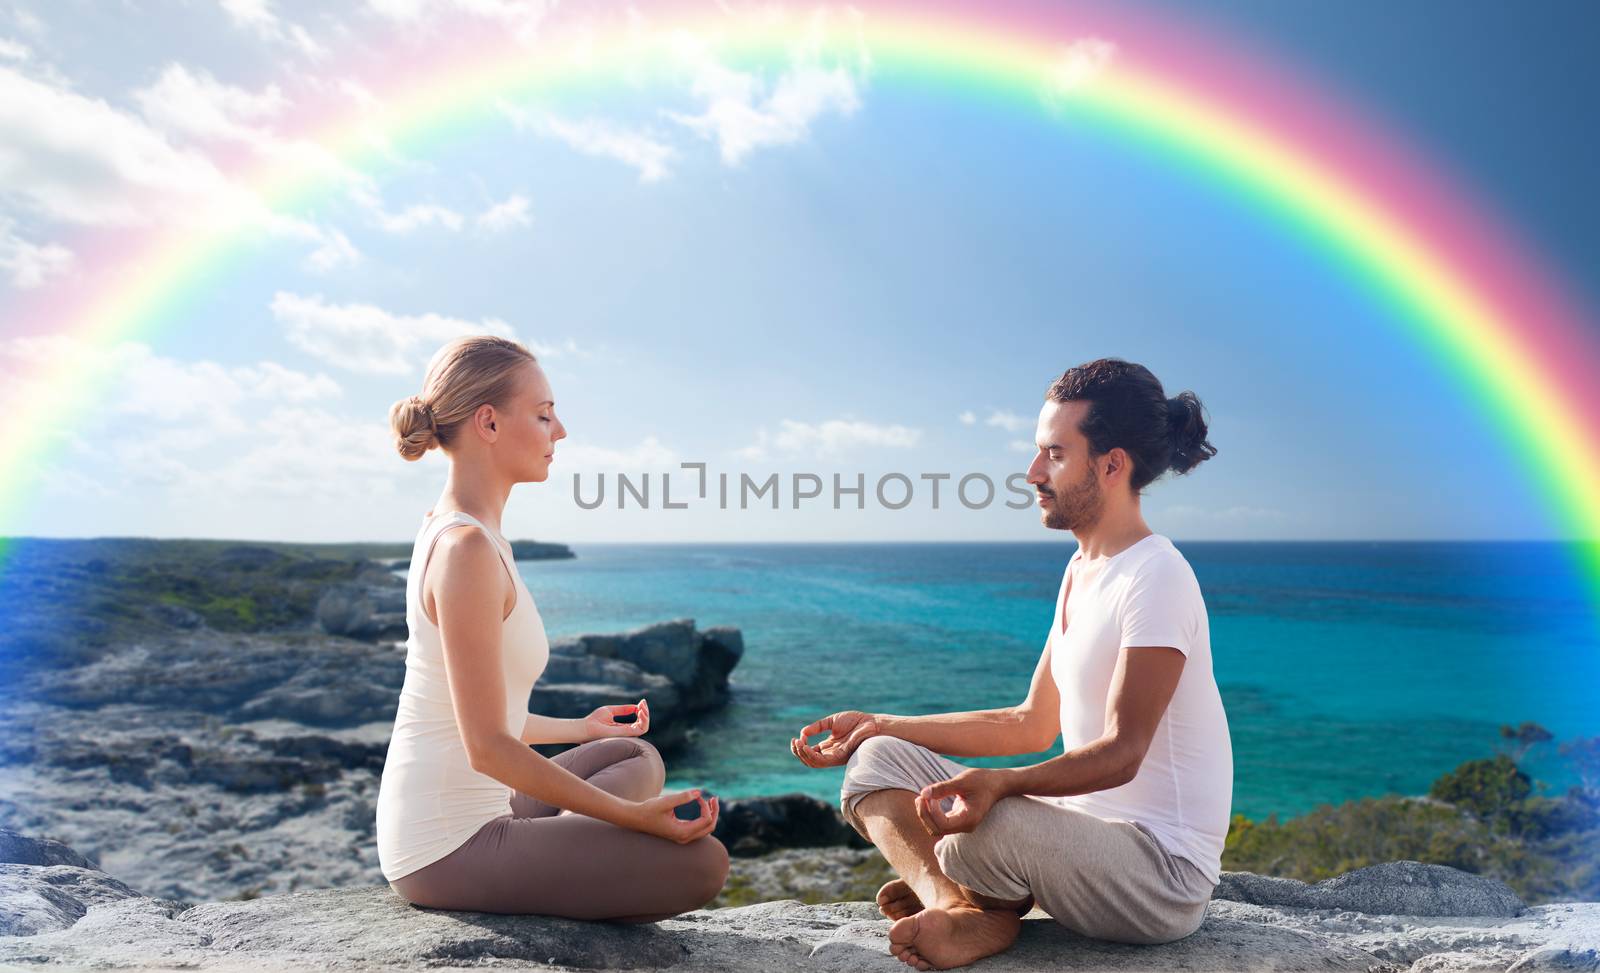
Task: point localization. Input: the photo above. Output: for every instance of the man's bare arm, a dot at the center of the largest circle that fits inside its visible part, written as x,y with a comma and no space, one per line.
1141,687
1029,727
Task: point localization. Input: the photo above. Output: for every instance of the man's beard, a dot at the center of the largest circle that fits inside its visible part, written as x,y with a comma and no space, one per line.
1077,508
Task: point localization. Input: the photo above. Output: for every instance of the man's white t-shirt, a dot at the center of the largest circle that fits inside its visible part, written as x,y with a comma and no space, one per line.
1147,595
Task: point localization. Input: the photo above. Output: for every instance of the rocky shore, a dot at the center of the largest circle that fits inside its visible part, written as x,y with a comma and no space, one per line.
57,911
189,761
210,720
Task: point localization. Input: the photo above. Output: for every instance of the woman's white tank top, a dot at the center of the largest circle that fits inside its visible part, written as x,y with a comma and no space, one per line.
430,800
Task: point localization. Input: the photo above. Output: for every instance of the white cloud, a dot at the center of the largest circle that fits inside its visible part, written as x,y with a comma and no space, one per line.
13,51
193,105
197,104
1022,446
305,43
167,389
27,20
255,14
30,264
506,214
79,160
566,349
336,250
258,17
57,482
523,17
131,380
398,9
828,439
419,215
1084,60
364,338
968,418
281,451
309,452
596,136
1009,421
741,116
412,217
198,429
359,93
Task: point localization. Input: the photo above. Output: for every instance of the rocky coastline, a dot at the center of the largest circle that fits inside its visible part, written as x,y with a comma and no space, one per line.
58,911
189,761
212,722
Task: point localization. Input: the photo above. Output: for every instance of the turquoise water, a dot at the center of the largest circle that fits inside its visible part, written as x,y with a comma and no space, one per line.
1347,669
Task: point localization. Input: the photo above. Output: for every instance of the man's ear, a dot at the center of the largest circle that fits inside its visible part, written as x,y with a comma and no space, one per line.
1116,461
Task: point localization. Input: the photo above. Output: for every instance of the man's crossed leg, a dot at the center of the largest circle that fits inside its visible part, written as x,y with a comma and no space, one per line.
961,896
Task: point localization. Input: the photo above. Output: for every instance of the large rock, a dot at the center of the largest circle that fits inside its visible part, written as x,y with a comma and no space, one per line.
759,825
16,849
62,916
697,662
1401,888
44,898
372,605
681,671
308,677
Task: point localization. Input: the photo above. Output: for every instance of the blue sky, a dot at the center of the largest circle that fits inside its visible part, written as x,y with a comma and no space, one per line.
827,290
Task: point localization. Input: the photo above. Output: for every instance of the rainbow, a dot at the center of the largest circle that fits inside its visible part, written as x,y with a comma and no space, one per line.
1456,280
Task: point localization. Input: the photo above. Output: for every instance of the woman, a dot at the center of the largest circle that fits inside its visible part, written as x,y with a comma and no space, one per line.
469,816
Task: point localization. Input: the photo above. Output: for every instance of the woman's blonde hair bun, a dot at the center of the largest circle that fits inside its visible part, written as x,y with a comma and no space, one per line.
466,373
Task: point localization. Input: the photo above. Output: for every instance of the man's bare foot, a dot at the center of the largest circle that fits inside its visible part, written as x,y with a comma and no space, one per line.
896,900
955,935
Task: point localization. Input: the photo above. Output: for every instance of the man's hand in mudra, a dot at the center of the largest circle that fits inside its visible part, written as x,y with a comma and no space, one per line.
974,791
846,730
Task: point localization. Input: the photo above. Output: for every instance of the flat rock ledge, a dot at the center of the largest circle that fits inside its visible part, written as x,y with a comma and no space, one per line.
60,914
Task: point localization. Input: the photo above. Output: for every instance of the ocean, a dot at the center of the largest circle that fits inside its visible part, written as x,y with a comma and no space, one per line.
1347,669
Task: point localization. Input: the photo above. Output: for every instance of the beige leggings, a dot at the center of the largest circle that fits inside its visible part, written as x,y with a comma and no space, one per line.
1104,878
542,860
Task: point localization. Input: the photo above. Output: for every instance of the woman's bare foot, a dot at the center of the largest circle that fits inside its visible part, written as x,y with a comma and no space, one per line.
896,900
954,935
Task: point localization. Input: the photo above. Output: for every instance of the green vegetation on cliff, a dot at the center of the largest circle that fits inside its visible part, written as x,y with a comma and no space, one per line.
67,600
1483,817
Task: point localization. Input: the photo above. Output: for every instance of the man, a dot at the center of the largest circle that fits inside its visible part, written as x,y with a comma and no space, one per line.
1120,837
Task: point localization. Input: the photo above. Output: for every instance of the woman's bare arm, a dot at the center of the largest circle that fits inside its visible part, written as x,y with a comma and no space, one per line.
551,729
469,579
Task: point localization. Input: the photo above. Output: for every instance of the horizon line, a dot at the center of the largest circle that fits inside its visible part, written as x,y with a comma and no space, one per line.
857,541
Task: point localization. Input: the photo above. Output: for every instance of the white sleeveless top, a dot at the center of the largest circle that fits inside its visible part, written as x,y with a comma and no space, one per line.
430,800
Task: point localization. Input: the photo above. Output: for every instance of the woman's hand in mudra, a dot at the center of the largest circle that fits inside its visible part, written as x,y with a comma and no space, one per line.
657,816
603,721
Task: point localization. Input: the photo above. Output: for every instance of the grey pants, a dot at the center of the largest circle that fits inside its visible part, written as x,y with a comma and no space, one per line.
1104,878
542,860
